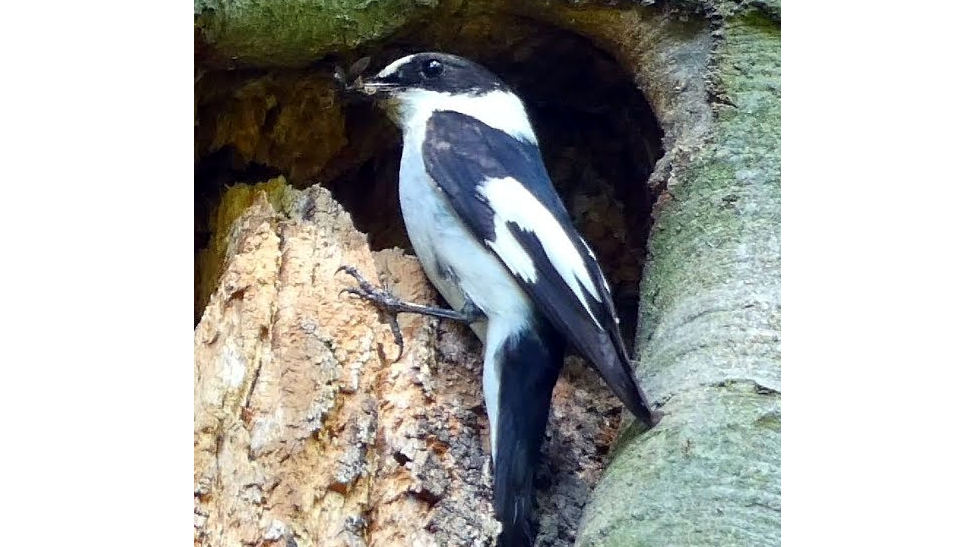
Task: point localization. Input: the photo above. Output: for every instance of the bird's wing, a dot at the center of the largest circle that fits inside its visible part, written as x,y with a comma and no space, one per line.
499,187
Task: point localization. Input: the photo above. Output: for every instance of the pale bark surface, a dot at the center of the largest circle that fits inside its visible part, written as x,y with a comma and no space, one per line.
308,433
710,313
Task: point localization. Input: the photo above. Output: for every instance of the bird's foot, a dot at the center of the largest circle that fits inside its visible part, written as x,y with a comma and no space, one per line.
393,306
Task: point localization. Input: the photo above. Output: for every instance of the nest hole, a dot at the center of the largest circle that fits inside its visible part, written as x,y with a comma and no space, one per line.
598,135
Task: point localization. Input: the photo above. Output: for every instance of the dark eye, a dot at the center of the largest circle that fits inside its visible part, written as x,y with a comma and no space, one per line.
433,68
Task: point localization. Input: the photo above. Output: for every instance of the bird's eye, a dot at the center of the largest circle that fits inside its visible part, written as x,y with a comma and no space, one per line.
433,68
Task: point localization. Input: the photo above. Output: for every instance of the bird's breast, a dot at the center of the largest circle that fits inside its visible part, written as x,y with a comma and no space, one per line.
456,262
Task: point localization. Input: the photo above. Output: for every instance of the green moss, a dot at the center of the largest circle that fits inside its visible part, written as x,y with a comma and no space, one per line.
710,473
296,32
771,421
709,478
239,198
728,8
233,202
729,189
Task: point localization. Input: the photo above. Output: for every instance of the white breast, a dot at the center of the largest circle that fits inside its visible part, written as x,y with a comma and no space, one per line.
442,242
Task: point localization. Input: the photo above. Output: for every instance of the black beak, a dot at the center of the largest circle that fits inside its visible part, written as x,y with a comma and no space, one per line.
370,90
357,89
375,88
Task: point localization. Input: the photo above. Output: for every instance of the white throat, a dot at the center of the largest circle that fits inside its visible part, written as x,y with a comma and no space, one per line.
500,109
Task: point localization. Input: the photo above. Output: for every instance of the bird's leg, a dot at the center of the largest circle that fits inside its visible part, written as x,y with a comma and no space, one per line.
384,299
471,313
393,306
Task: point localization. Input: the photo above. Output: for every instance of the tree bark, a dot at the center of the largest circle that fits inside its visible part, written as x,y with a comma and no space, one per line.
308,433
709,336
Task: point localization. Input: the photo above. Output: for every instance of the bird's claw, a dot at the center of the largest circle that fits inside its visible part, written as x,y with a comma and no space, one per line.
392,306
353,271
383,300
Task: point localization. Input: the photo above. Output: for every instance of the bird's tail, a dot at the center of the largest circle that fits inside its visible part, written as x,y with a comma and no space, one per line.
528,368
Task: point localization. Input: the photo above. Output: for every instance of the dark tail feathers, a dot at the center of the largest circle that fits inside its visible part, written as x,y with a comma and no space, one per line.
529,368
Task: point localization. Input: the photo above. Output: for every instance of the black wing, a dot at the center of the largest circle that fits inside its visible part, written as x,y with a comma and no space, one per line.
461,154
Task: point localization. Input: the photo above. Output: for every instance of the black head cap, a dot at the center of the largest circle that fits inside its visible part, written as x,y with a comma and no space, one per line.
435,71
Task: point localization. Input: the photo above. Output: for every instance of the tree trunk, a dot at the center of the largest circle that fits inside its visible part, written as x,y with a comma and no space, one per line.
309,432
710,320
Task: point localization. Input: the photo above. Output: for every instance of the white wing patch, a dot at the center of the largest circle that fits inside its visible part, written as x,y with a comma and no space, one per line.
514,255
513,203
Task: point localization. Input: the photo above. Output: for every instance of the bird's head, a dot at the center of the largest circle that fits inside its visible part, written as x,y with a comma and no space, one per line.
415,85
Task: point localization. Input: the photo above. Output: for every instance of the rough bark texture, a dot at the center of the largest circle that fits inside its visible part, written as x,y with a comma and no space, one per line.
295,32
308,433
266,121
710,313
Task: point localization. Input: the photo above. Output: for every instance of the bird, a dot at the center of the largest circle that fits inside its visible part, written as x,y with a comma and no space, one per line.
495,239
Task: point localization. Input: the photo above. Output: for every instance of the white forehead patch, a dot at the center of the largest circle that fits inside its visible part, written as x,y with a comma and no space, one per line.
389,70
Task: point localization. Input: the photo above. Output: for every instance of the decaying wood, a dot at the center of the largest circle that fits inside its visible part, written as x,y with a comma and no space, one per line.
306,431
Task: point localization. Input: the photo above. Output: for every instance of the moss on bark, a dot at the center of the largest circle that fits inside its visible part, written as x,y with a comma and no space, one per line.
296,32
710,324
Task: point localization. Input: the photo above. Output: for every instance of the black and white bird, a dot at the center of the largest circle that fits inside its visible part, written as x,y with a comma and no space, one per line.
494,238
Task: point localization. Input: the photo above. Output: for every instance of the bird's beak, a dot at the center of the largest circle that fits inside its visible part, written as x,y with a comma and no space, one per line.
376,88
357,89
